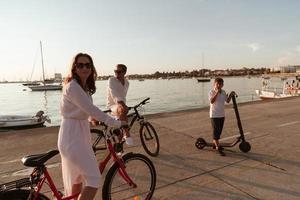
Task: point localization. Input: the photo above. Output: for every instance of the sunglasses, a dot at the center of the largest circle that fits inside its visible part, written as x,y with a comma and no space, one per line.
118,71
82,65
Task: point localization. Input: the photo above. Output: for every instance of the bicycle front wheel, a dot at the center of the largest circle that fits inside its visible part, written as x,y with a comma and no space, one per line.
20,195
140,170
149,139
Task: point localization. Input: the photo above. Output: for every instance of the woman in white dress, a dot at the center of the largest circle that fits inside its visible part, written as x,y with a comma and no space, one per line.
79,166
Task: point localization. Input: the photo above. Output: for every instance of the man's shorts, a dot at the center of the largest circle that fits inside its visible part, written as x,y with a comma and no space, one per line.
217,125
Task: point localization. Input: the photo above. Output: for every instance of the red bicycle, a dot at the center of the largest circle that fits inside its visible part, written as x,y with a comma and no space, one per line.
131,176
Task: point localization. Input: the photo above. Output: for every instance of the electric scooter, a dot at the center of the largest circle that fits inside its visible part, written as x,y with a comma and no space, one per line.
244,145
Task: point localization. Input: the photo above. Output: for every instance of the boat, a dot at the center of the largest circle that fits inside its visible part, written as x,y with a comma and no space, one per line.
45,86
203,79
286,91
141,79
31,83
283,78
23,121
264,76
265,95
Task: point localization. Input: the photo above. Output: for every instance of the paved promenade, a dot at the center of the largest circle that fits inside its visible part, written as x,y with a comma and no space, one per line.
270,171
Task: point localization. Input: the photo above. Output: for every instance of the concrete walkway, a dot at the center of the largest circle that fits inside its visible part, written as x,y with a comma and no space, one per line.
270,171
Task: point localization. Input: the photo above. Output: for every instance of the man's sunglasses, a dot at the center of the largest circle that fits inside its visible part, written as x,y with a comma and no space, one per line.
82,65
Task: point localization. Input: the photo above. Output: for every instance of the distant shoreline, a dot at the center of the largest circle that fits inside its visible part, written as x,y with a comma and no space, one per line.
184,77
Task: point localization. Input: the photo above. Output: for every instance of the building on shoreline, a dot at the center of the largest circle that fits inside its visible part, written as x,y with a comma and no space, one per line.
289,68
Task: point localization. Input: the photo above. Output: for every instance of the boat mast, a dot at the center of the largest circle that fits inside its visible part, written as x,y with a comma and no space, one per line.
202,60
42,62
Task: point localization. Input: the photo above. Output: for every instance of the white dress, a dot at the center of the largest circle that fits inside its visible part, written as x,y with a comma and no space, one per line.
79,164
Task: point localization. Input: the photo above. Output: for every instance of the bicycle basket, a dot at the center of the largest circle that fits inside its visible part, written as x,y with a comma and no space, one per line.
17,184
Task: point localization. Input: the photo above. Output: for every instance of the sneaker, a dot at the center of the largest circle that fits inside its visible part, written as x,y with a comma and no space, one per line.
119,154
220,147
221,152
128,141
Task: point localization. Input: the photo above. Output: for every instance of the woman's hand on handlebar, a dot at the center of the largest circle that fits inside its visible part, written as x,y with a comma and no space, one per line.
94,122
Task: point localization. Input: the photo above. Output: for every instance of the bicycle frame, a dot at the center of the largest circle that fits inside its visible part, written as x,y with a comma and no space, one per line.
47,178
122,171
136,117
102,164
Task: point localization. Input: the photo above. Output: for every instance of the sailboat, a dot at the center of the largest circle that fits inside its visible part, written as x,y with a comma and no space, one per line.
45,86
31,83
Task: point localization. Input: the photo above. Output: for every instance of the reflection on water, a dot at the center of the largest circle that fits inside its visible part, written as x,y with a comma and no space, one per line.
166,95
46,110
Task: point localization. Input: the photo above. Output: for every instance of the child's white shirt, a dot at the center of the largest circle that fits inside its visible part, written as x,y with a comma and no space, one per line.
217,109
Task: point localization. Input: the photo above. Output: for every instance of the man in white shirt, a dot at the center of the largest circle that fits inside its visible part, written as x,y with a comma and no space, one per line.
217,98
116,97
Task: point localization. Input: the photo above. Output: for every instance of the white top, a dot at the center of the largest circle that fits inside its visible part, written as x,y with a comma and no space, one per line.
77,104
217,108
116,91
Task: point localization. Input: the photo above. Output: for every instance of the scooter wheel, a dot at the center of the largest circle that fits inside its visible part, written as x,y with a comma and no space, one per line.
245,147
200,143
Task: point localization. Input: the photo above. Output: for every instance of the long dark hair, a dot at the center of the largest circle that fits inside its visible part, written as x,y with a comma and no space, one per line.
90,86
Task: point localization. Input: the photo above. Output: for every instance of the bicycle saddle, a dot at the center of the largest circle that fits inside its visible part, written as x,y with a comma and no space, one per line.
38,160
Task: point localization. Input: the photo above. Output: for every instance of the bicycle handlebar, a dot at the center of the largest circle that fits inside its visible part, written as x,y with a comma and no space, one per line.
141,103
235,94
129,108
107,111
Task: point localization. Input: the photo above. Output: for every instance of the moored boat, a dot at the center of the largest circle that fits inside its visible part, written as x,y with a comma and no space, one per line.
23,121
46,87
288,90
264,95
203,79
31,83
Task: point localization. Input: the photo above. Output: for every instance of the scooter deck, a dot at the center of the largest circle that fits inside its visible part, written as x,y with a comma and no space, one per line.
221,144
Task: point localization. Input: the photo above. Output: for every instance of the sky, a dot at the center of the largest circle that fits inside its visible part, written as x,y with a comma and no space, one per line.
147,36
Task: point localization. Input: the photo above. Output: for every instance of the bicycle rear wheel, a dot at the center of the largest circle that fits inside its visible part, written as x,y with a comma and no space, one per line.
20,195
149,139
141,171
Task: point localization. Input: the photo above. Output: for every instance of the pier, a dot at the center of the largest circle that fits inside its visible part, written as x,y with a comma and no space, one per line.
271,170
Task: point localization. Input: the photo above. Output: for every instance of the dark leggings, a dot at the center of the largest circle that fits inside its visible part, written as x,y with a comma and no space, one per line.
217,125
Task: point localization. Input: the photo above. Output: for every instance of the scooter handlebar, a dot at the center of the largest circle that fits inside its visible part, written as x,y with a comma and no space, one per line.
233,93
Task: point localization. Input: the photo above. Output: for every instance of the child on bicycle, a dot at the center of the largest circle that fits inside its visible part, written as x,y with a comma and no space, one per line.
217,98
